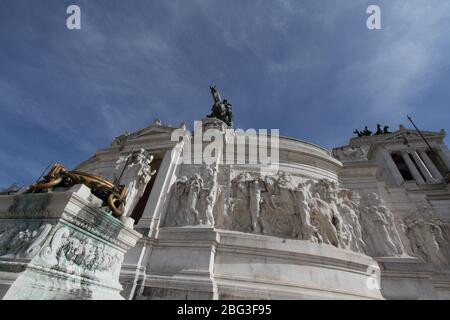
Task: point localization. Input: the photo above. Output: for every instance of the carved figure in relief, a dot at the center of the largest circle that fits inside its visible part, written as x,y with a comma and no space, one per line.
378,239
382,237
193,200
374,200
427,236
179,215
327,194
322,217
427,241
349,209
255,205
195,184
302,196
318,211
285,204
22,241
243,217
208,194
134,172
79,255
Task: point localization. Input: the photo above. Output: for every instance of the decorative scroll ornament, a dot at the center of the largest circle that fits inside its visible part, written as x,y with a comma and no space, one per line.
49,252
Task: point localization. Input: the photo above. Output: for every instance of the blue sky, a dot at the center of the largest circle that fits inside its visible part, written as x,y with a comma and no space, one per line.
310,68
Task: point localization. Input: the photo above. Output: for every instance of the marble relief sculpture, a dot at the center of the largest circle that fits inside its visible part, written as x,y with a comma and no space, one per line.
80,254
350,153
134,172
255,206
428,236
22,240
302,196
193,199
270,205
427,241
349,207
315,210
381,234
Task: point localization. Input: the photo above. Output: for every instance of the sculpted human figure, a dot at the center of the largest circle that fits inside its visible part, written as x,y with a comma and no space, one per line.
195,184
378,238
427,241
283,191
302,196
379,130
381,234
367,132
246,203
176,213
349,209
207,196
328,193
220,110
374,200
392,229
134,172
255,205
322,214
271,188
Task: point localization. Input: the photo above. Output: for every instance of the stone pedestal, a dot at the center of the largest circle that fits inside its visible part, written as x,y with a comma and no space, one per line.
61,245
181,265
205,263
406,278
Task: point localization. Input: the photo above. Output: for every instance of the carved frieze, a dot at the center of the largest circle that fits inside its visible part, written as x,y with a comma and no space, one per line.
22,240
193,199
73,252
316,210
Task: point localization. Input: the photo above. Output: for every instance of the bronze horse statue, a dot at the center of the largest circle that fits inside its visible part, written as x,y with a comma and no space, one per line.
220,109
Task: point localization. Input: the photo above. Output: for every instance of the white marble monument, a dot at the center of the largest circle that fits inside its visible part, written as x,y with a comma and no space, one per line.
370,220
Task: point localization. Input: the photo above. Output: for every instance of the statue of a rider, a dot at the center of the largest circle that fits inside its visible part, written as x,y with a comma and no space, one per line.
221,110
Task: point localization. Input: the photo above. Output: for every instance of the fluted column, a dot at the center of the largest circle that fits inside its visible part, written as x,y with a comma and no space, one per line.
430,165
392,166
422,167
412,168
444,154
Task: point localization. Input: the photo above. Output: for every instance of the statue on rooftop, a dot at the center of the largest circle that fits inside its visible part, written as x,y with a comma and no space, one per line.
367,132
379,130
221,110
358,133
